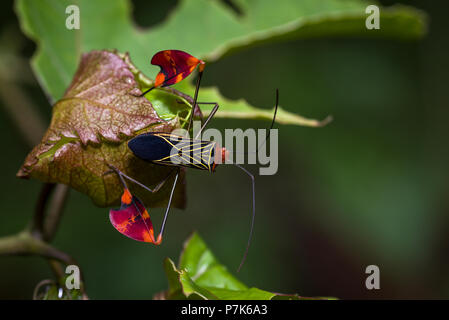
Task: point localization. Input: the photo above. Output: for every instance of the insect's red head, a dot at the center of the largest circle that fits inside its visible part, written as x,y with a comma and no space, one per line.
220,157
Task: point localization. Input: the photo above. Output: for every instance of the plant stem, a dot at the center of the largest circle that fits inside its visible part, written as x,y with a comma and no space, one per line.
37,226
55,211
24,243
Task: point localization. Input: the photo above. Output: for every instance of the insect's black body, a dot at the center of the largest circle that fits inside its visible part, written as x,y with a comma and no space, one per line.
174,150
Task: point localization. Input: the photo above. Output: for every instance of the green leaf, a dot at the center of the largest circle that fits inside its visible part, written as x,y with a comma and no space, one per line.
201,265
200,276
204,28
243,110
100,111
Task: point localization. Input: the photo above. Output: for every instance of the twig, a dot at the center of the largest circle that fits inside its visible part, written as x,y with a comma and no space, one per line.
57,269
55,211
37,228
45,282
24,243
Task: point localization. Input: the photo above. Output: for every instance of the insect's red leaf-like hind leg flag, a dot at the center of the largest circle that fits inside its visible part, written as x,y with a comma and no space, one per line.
175,65
132,219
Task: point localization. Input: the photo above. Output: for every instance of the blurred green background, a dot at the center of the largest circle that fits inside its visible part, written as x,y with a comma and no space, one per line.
370,188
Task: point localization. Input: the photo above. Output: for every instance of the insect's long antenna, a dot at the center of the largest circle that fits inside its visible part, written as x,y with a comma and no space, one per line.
272,122
271,127
253,216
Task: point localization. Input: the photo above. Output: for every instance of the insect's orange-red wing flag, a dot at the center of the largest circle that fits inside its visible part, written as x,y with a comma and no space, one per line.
133,220
175,66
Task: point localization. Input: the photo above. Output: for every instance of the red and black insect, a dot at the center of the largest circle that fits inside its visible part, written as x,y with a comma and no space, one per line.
167,149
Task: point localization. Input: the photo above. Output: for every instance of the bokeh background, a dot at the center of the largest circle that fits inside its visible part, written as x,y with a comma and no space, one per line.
370,188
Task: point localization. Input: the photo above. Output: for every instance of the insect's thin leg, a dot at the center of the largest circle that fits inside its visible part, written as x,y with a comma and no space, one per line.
158,86
201,115
147,91
159,186
159,237
212,113
122,175
119,173
195,97
253,215
155,189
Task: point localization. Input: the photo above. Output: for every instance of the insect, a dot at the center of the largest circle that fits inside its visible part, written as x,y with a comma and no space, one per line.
168,149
